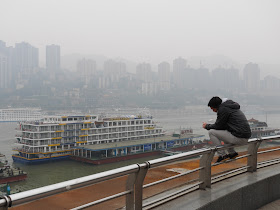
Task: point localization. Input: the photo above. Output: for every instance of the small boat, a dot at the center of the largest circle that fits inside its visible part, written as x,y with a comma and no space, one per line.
8,173
260,129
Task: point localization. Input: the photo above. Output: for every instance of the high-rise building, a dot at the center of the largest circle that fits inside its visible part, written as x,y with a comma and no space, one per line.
149,88
219,78
164,76
227,79
114,67
26,58
179,67
7,75
114,70
144,72
87,69
103,82
189,78
4,74
53,59
271,83
201,79
233,80
251,76
3,47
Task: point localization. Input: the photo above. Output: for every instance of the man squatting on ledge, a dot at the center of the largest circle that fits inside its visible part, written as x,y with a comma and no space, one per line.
231,126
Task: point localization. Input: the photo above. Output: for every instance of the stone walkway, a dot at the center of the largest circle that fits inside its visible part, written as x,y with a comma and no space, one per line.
272,206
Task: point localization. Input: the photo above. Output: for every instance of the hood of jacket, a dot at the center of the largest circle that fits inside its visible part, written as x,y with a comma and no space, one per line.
230,104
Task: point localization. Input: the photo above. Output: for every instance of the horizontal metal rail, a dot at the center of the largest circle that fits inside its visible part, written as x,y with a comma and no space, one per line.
172,177
268,162
230,172
172,196
42,192
3,202
177,157
102,200
270,150
230,160
275,137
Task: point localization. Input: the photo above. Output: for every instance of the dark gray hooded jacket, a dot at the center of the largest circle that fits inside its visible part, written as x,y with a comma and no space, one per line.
231,118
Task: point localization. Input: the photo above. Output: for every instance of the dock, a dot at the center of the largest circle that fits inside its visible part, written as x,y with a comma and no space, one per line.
124,150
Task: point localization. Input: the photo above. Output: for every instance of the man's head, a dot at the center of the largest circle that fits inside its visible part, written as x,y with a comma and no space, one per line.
214,103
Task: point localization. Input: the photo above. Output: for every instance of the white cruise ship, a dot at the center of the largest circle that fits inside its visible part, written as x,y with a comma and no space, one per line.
55,137
20,114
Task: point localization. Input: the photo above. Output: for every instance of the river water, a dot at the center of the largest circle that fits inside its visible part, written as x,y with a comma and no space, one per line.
53,172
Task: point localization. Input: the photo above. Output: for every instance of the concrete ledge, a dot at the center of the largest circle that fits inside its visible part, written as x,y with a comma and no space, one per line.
246,191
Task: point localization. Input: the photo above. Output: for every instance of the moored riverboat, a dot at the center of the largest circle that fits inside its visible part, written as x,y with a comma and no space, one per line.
112,152
55,137
8,173
260,129
109,139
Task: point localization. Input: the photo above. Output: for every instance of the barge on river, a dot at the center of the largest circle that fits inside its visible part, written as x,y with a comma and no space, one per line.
260,129
114,152
8,173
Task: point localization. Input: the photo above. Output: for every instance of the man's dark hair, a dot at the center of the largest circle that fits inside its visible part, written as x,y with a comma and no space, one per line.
215,102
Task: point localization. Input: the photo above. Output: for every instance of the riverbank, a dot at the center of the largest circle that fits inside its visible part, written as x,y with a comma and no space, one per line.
88,194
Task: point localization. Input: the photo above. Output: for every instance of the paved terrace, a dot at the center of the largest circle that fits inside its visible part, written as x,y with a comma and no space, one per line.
243,192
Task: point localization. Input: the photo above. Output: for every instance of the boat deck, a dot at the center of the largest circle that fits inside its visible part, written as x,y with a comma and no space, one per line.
121,144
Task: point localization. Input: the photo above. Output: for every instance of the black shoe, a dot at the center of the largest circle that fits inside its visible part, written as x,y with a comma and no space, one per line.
233,156
221,158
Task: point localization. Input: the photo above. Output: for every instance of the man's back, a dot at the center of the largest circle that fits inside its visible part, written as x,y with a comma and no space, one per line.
234,119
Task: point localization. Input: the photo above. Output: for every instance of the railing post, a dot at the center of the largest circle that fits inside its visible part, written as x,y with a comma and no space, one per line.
138,190
252,160
130,186
3,207
205,172
8,203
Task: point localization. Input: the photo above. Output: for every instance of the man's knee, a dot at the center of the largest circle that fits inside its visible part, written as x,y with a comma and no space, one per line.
211,132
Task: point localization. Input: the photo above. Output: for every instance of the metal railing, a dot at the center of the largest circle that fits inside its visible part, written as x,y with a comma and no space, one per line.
137,173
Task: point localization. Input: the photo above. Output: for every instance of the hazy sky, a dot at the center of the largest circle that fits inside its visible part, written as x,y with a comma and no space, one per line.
147,30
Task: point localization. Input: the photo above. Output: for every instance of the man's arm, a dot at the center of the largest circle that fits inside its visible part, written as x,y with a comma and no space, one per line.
221,122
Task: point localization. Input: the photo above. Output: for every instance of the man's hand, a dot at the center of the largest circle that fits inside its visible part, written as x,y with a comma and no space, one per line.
204,124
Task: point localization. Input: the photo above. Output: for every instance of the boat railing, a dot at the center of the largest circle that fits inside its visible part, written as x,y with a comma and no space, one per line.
137,172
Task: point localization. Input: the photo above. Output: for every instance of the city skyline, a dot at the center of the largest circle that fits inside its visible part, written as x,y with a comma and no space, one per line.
246,31
24,82
53,54
20,62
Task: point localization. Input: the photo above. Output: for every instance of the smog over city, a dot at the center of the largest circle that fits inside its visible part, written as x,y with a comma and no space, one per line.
137,104
85,55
